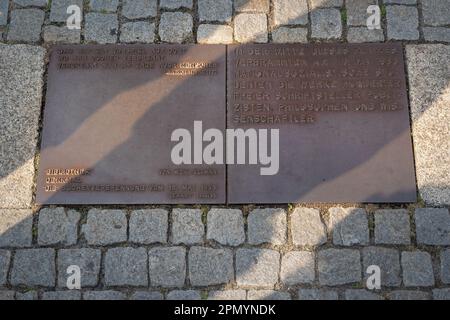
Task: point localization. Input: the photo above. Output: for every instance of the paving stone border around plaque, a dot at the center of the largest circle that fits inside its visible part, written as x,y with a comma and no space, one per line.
303,257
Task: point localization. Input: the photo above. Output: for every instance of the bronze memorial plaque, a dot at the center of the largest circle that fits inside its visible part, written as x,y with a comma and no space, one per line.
341,112
109,117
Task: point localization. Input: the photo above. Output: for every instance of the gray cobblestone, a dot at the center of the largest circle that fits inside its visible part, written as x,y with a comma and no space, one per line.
389,262
105,227
400,1
210,266
325,3
58,10
214,34
268,295
29,3
34,267
149,226
362,34
6,295
441,294
183,295
176,27
288,12
357,11
445,266
417,269
62,34
101,28
267,226
290,35
307,228
361,294
104,5
4,4
436,12
339,266
250,27
26,25
187,226
58,227
87,259
167,266
350,226
27,295
104,295
5,259
140,31
138,9
16,228
436,34
262,6
409,295
257,267
432,226
215,10
392,227
126,267
176,4
297,267
402,23
147,295
227,295
317,294
226,226
326,24
62,295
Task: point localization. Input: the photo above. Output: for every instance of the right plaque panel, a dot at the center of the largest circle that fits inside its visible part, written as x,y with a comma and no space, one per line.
343,120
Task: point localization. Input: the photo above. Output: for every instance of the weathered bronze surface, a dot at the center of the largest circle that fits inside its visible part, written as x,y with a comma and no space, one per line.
343,117
108,119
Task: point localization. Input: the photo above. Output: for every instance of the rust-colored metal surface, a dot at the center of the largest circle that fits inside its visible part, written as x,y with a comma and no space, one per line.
109,114
343,117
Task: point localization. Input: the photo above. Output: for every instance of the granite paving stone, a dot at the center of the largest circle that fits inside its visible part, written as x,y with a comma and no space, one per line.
210,266
290,12
149,226
417,269
402,23
432,226
58,9
429,92
16,228
21,86
257,267
34,267
58,227
105,227
339,266
101,28
226,226
167,266
250,27
307,227
267,226
126,267
349,226
176,27
86,258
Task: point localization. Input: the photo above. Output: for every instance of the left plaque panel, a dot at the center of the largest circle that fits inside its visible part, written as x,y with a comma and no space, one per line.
109,115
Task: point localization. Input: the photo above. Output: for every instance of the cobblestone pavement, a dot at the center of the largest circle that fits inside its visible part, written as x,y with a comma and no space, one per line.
235,252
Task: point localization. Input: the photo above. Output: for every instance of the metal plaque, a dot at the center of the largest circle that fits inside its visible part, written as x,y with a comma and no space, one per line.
343,121
108,119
